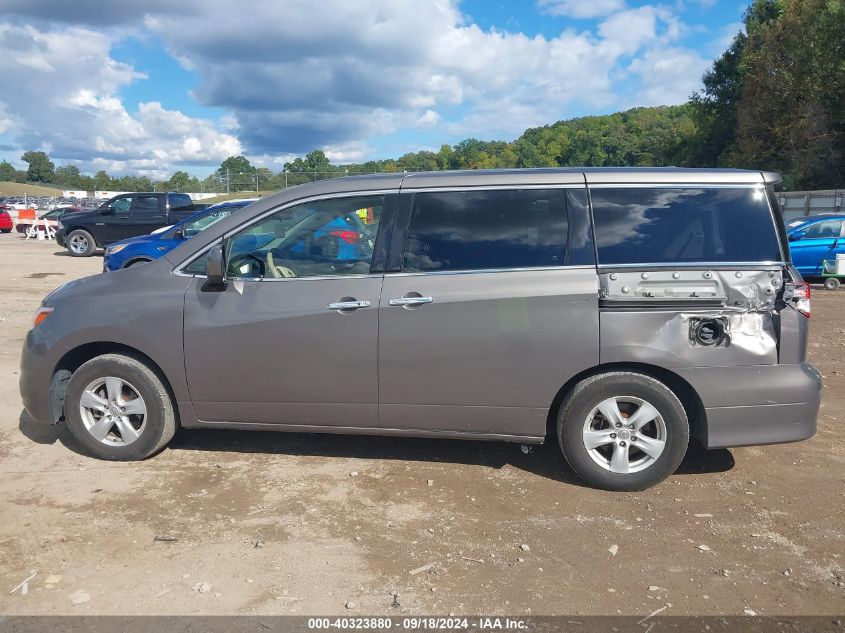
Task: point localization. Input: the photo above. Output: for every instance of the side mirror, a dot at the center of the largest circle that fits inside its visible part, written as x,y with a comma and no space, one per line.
798,235
178,235
215,270
106,209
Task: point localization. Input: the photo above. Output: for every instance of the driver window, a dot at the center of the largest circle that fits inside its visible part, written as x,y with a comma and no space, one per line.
826,229
315,239
121,205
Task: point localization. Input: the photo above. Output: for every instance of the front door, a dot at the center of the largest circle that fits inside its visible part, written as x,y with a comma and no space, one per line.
494,309
110,225
820,241
292,340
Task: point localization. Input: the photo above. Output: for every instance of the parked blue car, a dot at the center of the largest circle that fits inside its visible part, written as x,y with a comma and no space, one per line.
145,248
814,241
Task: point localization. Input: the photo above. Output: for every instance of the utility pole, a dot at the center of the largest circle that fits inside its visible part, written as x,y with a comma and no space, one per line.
227,180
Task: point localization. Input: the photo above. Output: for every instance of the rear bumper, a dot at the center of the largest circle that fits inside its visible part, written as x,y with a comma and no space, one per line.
760,404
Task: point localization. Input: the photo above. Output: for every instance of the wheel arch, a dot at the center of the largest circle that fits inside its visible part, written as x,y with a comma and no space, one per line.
81,354
137,260
688,396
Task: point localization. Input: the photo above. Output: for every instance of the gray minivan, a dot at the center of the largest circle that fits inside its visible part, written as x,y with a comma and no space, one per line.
621,311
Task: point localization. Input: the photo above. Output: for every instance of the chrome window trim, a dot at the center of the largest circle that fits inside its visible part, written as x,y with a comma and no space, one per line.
177,269
275,279
690,265
676,185
477,271
512,187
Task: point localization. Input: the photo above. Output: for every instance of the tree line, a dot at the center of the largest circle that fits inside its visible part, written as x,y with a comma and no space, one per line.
774,100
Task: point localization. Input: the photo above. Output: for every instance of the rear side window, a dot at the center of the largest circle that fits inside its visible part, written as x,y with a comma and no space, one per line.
145,204
476,230
180,201
689,225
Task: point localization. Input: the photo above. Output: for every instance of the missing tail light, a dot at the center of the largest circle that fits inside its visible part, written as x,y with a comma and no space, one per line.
797,295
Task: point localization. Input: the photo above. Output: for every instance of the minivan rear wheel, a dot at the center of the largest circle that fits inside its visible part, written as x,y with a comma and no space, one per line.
623,430
119,409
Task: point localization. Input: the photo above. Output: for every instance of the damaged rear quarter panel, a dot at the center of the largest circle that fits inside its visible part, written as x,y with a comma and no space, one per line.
648,316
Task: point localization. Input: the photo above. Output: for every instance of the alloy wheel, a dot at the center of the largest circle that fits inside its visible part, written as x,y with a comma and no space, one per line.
79,244
113,411
624,434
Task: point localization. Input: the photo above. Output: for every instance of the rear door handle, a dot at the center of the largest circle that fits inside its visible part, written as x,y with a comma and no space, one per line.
348,305
410,301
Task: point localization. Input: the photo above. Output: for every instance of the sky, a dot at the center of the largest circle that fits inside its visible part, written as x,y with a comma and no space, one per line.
147,87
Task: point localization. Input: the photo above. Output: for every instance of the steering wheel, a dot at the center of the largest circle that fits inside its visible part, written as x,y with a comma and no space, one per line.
240,260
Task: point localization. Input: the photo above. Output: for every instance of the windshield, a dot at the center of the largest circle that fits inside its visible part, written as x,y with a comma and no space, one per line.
200,224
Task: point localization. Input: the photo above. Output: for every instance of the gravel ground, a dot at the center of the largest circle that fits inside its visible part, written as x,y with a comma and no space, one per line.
275,523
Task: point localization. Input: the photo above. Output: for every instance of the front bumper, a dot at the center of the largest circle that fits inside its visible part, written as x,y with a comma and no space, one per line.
758,404
40,392
60,237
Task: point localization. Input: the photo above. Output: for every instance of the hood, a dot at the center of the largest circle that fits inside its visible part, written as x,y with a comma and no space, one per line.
77,213
144,239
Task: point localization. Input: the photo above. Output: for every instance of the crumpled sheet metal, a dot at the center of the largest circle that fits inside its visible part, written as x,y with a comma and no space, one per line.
663,337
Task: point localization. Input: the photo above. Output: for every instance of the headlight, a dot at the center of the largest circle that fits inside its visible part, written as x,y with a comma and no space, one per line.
111,250
61,226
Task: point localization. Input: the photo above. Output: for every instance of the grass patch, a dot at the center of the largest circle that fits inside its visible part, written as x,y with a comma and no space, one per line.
21,188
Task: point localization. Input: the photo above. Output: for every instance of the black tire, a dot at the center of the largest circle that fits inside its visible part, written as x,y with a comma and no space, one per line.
586,396
80,243
160,420
5,230
831,283
135,262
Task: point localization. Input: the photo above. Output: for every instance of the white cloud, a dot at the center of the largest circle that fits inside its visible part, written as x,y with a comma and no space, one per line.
292,78
429,118
66,100
581,9
668,76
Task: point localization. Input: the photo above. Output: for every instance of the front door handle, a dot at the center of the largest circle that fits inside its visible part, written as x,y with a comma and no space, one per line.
348,306
410,301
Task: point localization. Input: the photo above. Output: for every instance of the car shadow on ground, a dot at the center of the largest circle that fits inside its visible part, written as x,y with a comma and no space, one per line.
544,460
64,253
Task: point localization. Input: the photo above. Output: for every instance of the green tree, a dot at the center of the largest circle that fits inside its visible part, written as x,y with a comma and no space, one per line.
7,171
102,181
314,161
716,108
179,181
236,173
68,176
235,165
793,96
41,168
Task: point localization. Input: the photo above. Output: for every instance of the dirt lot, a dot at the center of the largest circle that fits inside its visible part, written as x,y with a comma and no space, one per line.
344,520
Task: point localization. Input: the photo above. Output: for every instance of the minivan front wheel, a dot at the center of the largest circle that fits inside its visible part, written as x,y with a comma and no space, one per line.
623,431
81,243
119,409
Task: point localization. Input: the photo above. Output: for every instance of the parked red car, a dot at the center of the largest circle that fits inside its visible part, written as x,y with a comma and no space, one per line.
5,221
